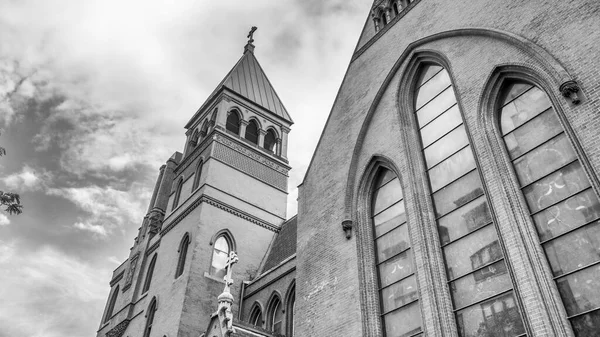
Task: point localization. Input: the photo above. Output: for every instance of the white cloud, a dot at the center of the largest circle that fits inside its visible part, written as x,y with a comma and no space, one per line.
4,220
96,229
44,291
108,208
27,179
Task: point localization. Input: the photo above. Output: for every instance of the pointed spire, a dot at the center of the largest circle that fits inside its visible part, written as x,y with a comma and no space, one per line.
249,47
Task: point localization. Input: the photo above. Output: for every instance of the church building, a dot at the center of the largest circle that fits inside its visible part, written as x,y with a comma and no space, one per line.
453,192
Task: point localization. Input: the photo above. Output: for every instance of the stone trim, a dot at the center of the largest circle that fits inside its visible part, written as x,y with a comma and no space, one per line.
152,248
216,203
117,278
251,154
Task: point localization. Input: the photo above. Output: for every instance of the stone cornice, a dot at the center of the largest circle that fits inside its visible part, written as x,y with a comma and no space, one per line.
223,206
153,247
117,278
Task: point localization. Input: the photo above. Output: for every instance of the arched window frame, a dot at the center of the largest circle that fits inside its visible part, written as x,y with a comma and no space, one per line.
290,302
149,273
489,118
256,315
271,147
177,196
204,130
226,234
253,138
231,125
384,18
182,257
111,304
198,175
150,312
275,311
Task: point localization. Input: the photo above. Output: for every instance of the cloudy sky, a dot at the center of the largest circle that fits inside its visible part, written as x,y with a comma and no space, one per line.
94,95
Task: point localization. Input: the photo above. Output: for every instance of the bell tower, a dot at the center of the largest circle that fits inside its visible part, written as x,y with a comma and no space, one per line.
226,192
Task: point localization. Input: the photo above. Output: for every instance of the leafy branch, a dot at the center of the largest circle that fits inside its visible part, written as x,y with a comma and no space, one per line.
12,201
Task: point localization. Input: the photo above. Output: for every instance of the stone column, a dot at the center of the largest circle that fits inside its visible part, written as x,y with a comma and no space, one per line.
243,125
283,145
261,138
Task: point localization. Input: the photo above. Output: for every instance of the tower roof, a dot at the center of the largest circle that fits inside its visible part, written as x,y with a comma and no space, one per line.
248,80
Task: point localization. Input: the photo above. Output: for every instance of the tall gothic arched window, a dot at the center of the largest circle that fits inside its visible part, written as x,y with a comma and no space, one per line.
233,122
275,315
197,176
398,296
290,304
183,248
252,132
149,273
150,318
177,193
478,279
111,304
256,316
221,249
564,207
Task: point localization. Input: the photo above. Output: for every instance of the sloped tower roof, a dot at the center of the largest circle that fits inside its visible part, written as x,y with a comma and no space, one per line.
248,79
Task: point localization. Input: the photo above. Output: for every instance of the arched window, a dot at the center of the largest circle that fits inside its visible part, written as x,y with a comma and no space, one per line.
275,315
478,279
384,20
183,248
233,122
204,131
564,207
270,141
111,304
252,132
290,304
197,176
398,296
396,7
193,140
256,316
221,249
150,317
149,274
177,193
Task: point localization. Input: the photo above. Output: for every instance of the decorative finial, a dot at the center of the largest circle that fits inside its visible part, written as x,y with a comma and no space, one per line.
251,34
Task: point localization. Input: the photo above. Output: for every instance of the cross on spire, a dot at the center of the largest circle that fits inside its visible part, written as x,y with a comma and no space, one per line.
251,34
231,260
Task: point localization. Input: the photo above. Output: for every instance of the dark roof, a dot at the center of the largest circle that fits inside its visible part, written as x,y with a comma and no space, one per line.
243,329
248,80
284,244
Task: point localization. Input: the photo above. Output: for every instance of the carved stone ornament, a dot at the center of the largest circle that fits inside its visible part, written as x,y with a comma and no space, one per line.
155,220
570,90
118,330
347,227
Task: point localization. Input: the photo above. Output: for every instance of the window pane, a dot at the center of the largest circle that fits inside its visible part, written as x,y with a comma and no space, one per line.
464,220
396,268
389,194
441,125
451,168
384,178
434,108
523,109
574,250
428,72
556,187
472,252
481,284
433,87
446,146
392,243
587,325
389,219
496,317
399,294
533,133
544,159
457,194
218,263
403,322
515,90
579,291
569,214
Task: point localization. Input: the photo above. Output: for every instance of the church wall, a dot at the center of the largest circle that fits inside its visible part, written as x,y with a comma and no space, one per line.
202,289
327,262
